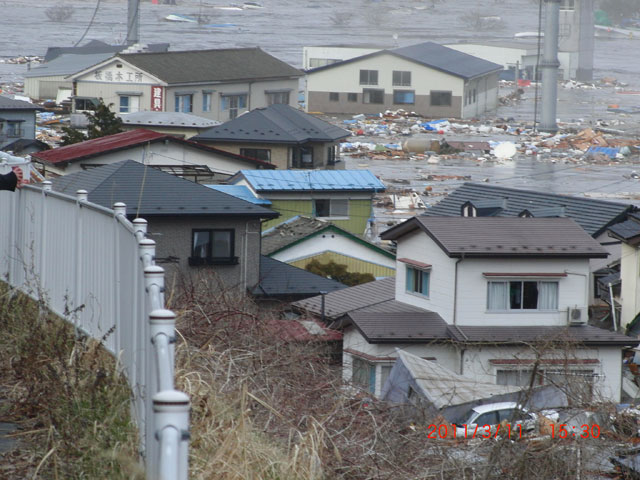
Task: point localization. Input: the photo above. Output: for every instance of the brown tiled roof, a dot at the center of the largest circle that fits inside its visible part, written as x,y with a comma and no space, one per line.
405,327
503,236
349,299
584,334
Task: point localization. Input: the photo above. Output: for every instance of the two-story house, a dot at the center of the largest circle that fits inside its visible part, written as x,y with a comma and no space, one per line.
280,134
342,197
17,120
501,300
215,84
430,79
628,232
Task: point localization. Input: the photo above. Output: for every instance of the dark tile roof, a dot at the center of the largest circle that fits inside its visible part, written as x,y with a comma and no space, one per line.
201,66
434,56
594,216
274,124
401,327
97,46
279,279
122,141
447,60
157,193
7,103
627,230
349,299
503,237
584,334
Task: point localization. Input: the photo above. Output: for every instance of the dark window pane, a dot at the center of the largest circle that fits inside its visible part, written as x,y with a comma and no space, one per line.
530,295
489,418
352,97
201,244
323,208
222,244
439,98
334,96
515,295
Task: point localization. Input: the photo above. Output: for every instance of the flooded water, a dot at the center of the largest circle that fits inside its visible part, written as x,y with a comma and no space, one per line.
283,27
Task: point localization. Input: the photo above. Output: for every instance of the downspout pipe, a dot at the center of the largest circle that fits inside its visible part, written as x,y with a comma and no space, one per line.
455,291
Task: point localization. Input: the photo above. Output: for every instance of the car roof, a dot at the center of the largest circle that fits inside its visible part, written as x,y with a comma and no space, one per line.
490,407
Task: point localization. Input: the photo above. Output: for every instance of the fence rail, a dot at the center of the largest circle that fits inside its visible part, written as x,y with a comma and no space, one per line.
96,269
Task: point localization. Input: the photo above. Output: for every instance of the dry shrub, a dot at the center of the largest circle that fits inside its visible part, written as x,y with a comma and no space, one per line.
67,394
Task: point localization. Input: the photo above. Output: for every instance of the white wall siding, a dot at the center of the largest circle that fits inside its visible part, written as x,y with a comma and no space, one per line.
630,276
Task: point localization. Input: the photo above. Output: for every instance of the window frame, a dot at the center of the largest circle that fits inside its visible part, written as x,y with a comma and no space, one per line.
255,153
352,97
398,78
395,99
227,103
417,282
361,368
209,259
278,98
334,96
133,103
180,104
369,77
207,101
366,96
508,292
434,94
332,202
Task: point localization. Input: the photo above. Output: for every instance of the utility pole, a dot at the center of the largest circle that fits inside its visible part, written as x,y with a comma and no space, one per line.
133,22
549,66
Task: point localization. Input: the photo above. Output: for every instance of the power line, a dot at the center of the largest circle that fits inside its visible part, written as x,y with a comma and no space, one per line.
90,23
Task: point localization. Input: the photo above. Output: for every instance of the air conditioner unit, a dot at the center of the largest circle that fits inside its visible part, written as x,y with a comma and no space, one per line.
577,316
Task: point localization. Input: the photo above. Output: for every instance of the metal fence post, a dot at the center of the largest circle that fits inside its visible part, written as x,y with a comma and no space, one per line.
171,409
162,324
147,249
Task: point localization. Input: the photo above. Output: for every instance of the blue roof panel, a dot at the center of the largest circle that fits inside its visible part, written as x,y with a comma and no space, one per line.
307,180
242,192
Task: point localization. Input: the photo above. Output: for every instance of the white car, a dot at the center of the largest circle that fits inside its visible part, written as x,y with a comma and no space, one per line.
484,421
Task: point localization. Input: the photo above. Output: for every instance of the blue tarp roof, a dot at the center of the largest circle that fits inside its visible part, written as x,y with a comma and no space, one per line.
242,192
307,180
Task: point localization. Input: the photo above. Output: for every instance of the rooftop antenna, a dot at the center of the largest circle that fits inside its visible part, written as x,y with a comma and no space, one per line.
133,22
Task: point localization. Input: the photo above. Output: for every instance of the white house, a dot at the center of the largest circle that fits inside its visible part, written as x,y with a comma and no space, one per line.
427,78
628,233
481,296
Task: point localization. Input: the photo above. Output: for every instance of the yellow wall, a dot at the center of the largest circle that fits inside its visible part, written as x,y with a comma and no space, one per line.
354,265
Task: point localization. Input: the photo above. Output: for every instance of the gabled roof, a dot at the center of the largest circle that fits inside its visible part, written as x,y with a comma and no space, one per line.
594,216
98,46
377,294
401,327
279,279
463,237
7,103
148,192
433,55
123,141
67,64
204,66
627,231
167,119
310,180
277,123
300,228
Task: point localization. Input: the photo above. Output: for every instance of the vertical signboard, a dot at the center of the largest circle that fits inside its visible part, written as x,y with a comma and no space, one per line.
157,100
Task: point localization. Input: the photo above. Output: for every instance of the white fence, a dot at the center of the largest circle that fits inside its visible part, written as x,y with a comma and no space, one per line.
96,269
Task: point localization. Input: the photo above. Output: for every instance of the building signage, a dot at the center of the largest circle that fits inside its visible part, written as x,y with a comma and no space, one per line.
157,102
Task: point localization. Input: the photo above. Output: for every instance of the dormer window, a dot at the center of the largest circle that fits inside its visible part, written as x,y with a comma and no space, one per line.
468,210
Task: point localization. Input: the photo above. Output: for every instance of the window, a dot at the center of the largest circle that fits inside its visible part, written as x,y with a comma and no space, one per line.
86,103
263,154
184,103
522,295
334,96
401,79
577,384
212,247
352,97
363,374
475,91
489,418
233,103
277,97
301,157
368,77
206,101
372,95
331,208
129,103
321,62
404,97
417,281
440,99
14,129
516,378
332,155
